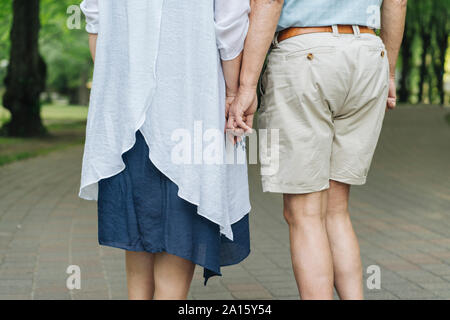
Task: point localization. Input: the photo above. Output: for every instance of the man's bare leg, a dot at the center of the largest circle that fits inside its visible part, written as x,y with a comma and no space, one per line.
344,243
310,249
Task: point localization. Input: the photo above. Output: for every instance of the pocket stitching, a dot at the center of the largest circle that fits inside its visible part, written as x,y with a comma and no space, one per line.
314,50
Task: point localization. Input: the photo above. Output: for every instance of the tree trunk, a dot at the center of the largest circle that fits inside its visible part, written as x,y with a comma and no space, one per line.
404,92
430,88
426,41
25,79
440,70
441,26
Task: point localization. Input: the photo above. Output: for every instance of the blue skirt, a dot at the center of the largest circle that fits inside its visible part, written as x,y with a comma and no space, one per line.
139,210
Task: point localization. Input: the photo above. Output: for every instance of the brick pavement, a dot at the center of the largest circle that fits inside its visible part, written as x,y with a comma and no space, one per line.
401,217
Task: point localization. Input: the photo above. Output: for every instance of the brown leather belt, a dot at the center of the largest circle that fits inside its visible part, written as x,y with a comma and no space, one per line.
296,31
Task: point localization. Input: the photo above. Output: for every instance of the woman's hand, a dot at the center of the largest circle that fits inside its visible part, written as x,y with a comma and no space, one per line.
229,101
231,70
93,44
230,97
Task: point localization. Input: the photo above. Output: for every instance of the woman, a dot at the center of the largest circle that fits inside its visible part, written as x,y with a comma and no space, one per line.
159,88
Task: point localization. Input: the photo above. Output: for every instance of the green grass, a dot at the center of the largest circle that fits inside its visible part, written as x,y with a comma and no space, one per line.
66,126
447,117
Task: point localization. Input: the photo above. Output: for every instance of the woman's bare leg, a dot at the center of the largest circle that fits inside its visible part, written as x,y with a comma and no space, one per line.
140,281
173,276
343,243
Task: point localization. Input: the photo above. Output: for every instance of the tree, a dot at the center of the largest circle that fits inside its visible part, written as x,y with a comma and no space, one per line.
5,25
425,22
406,52
441,30
25,79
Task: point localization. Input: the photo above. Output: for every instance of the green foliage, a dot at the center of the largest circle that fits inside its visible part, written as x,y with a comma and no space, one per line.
5,26
64,50
424,51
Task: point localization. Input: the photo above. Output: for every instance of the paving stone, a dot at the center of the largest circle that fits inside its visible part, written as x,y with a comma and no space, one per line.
15,286
379,295
442,294
283,292
15,296
93,295
244,287
213,296
52,296
251,295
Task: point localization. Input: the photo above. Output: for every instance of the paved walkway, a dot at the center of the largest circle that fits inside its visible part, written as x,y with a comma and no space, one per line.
402,218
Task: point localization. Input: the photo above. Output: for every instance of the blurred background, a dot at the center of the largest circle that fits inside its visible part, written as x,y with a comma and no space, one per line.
401,215
45,70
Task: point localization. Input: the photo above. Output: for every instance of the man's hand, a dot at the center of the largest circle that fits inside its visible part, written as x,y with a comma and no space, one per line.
264,18
242,111
392,96
393,15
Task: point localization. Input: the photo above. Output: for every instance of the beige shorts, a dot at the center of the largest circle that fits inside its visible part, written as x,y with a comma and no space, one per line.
324,100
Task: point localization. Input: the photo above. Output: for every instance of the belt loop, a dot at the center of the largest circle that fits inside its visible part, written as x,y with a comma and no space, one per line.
275,40
335,30
356,31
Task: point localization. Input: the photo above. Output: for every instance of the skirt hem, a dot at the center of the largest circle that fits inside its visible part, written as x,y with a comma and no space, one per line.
208,272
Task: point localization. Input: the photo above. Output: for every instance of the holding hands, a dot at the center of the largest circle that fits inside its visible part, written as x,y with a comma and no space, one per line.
241,101
240,113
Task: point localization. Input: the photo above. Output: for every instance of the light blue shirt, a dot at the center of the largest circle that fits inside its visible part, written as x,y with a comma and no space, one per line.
314,13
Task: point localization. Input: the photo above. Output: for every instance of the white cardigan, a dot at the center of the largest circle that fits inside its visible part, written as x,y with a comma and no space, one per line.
158,70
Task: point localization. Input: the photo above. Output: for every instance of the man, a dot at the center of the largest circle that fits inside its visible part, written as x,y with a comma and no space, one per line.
325,90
